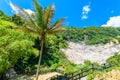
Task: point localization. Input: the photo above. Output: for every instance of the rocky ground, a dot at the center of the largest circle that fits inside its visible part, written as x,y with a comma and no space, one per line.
79,52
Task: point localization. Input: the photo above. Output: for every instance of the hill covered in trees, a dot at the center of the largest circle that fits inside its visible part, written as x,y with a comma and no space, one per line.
91,35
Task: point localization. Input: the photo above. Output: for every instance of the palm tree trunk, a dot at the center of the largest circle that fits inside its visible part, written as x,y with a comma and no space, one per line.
40,56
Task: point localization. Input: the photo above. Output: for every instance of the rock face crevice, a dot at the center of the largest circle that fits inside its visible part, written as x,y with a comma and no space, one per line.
79,52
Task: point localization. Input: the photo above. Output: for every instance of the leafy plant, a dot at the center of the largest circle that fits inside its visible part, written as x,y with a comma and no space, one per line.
13,46
114,60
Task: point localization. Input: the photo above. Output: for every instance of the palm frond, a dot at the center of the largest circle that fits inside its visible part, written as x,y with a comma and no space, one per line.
38,13
23,14
59,29
28,22
57,24
27,18
29,29
48,15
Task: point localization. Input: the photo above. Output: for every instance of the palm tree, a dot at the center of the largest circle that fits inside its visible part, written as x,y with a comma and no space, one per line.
40,22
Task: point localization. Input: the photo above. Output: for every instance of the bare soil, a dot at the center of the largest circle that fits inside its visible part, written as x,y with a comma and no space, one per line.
45,76
112,75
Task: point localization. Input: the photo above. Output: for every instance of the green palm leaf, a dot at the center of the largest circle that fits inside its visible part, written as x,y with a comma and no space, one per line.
48,15
38,13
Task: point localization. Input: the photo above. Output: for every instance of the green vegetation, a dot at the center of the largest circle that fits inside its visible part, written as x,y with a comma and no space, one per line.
6,23
51,58
16,42
4,16
91,35
114,60
19,48
13,45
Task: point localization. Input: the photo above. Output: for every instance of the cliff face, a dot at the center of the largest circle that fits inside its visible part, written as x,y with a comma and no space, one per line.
79,52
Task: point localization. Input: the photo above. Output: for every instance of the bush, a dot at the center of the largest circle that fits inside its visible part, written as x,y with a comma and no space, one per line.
13,45
114,60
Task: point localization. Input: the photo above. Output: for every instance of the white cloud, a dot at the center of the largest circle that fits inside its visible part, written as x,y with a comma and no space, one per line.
84,17
113,21
16,10
29,11
86,9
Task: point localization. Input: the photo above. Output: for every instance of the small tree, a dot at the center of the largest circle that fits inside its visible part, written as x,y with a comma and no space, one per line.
40,22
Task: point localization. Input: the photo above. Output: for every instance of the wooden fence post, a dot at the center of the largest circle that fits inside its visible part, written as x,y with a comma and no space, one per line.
81,72
79,76
104,66
66,76
72,76
57,77
93,68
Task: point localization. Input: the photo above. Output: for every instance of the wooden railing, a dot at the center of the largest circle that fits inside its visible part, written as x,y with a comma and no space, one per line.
78,76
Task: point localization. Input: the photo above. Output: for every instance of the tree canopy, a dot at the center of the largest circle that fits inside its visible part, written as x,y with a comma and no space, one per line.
95,35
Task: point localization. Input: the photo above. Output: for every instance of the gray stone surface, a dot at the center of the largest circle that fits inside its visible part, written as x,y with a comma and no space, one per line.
79,52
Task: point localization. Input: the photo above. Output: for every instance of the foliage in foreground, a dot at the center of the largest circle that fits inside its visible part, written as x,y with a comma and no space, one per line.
17,39
13,45
52,55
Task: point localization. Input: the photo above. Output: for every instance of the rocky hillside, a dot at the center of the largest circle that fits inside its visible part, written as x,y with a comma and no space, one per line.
79,52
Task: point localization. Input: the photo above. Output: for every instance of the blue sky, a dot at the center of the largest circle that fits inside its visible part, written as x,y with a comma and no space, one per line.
78,13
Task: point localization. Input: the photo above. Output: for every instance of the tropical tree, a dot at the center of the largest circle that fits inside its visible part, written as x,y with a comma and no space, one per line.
40,22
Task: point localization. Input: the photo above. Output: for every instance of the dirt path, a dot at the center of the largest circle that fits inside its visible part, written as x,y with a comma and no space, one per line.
45,76
112,75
